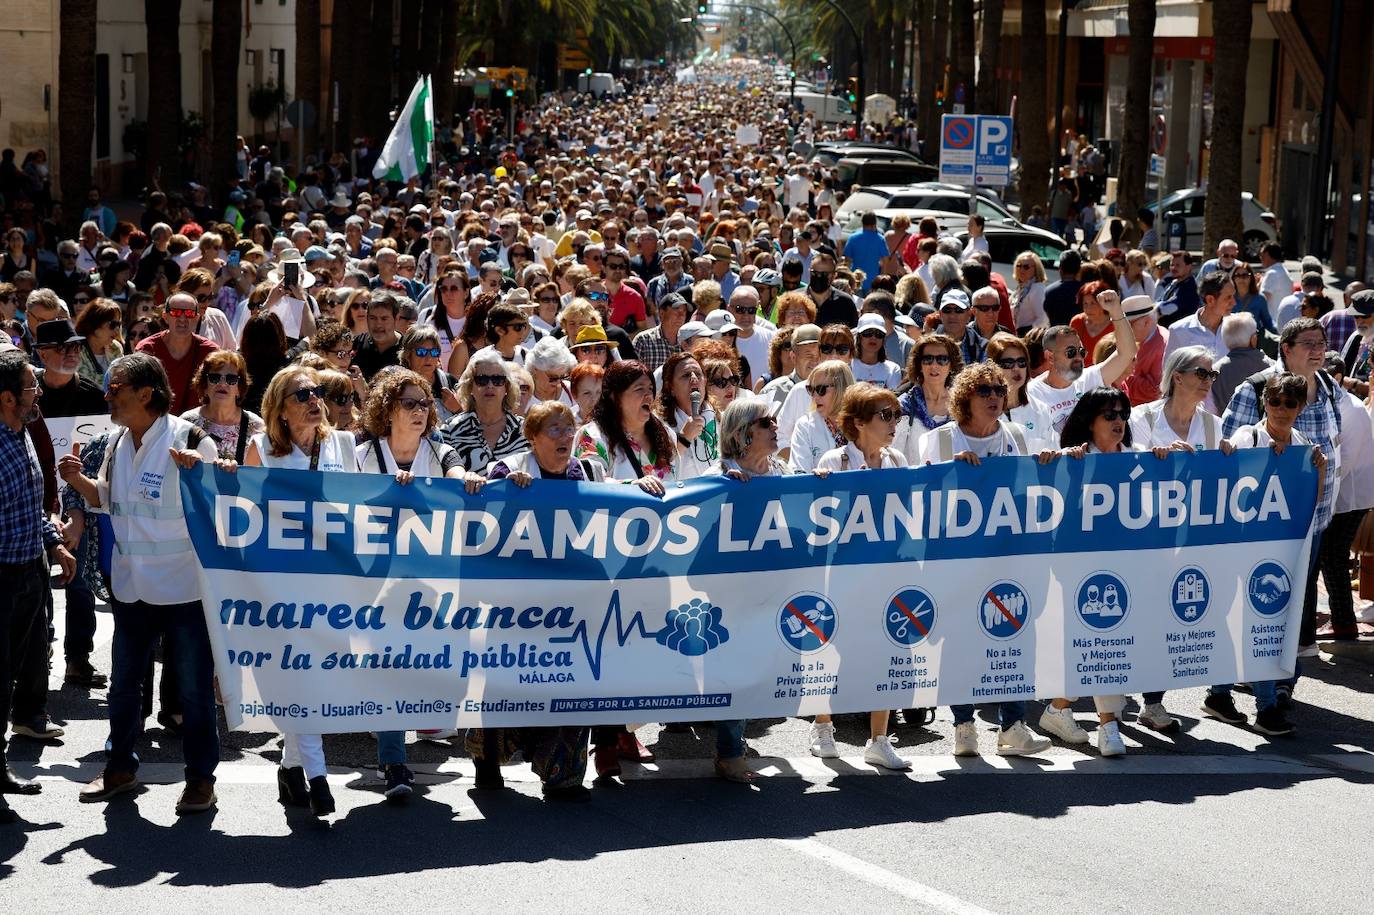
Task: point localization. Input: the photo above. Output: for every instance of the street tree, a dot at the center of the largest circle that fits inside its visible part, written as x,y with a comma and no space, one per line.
1221,215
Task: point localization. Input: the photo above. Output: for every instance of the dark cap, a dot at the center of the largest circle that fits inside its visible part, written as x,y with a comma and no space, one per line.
56,333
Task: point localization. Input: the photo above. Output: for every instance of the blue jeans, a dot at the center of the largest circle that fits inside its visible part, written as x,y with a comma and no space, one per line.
1008,713
1264,690
730,738
22,598
79,641
137,627
391,748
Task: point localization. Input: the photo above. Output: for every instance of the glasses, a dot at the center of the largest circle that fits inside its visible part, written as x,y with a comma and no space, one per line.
1073,352
489,381
82,300
818,390
229,378
526,389
114,324
548,300
991,390
1023,266
182,313
427,352
1017,362
340,400
518,327
839,349
888,415
725,381
745,309
766,422
951,310
617,266
591,257
411,405
986,308
556,379
934,359
1310,343
447,288
598,297
305,395
202,298
558,431
1205,375
66,349
822,274
1287,403
1112,415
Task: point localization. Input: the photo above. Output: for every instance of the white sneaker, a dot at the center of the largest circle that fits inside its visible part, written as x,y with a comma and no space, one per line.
1109,742
878,752
1366,615
1156,718
1060,723
1308,651
966,739
823,741
439,735
1019,740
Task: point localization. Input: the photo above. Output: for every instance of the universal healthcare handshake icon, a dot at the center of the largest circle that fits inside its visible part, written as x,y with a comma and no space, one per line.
693,628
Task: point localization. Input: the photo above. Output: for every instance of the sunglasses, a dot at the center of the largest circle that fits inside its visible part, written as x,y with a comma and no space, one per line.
934,359
725,381
888,415
340,400
951,310
489,381
305,395
229,378
342,354
205,297
617,266
452,288
840,349
82,300
548,300
114,324
1287,403
766,422
1207,375
1111,415
598,297
1017,362
818,390
991,390
872,335
66,349
411,405
1073,352
428,352
986,308
745,309
182,313
518,327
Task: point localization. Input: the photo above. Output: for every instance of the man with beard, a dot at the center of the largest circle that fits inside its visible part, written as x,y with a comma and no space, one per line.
1067,380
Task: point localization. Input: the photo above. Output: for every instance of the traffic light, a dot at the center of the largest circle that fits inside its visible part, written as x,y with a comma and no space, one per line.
939,96
701,9
510,93
588,71
853,89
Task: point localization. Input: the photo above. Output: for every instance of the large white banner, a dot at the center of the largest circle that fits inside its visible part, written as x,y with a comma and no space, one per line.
341,602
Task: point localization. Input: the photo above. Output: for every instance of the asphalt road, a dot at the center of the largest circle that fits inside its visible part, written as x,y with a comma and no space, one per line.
1215,819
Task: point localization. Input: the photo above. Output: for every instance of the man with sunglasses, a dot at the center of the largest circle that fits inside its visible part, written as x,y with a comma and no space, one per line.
1067,379
751,339
66,277
179,348
955,314
1203,327
627,305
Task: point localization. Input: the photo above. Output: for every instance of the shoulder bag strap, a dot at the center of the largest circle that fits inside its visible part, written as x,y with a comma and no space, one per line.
381,456
241,448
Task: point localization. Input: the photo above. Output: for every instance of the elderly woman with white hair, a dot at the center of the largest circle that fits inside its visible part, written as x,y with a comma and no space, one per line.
489,426
944,274
549,364
1178,420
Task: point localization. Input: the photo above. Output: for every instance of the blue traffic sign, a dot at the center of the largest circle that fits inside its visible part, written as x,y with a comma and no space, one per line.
958,132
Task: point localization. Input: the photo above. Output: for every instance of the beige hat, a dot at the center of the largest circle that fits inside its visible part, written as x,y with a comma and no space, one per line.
1138,306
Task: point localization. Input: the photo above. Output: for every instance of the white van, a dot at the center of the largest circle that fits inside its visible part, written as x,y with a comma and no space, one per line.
598,84
827,108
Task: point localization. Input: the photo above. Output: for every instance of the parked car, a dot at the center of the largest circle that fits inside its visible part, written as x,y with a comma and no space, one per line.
926,195
1005,241
858,170
827,154
1260,224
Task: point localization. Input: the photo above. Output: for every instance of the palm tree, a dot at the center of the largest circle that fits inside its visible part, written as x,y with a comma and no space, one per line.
1031,116
965,41
1221,217
308,76
930,72
226,26
988,54
162,20
448,62
1135,134
408,48
75,103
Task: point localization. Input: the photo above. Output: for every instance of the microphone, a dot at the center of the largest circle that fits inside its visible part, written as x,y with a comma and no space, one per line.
696,404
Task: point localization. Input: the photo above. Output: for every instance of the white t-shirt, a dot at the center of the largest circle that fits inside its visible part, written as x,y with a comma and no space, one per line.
1000,444
1159,434
755,349
811,438
797,405
1039,426
886,374
851,458
337,453
1276,286
1059,402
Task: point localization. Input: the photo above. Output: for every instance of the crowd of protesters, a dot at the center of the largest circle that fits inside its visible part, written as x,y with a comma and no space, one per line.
618,297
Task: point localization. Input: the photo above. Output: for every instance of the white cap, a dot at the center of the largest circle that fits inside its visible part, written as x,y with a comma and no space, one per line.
871,321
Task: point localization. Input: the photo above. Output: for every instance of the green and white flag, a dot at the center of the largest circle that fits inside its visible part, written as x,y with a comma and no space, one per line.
406,153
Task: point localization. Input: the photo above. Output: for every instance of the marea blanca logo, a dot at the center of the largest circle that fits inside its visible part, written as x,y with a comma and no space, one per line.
693,628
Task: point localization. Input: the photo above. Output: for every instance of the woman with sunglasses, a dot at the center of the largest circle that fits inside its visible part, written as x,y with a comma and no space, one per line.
1135,279
723,380
687,411
354,310
449,312
488,426
935,363
340,399
1092,323
1100,423
818,431
220,383
101,323
546,303
297,436
1012,356
420,353
507,329
1250,299
1028,301
868,420
427,264
872,364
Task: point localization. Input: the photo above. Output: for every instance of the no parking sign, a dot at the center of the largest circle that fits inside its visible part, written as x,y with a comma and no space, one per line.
957,133
975,149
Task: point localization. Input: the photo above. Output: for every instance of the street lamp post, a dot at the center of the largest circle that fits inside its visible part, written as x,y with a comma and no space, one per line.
859,59
786,31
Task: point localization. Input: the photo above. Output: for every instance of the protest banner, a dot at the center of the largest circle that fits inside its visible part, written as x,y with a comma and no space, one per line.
75,430
345,602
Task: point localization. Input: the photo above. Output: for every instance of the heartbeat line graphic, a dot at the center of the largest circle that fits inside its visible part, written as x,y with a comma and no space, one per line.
623,631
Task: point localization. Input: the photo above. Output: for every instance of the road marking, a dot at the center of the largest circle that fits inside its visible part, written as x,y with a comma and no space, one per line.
869,872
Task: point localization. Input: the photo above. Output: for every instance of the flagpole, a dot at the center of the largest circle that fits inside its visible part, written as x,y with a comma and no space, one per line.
433,139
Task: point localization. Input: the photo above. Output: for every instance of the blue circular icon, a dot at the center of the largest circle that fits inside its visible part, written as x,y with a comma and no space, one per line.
1004,610
807,622
1190,595
1269,589
1102,601
908,617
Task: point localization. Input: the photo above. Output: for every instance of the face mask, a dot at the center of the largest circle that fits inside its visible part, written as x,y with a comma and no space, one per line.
820,283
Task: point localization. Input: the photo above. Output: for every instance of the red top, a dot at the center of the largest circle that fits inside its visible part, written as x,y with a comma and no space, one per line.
1080,324
179,371
627,303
